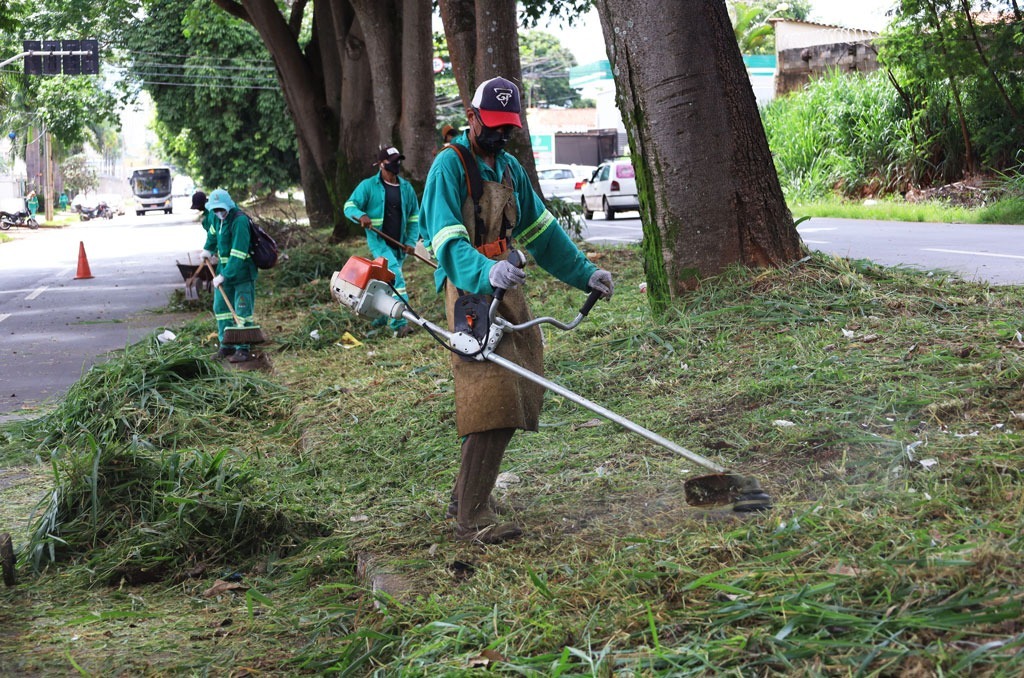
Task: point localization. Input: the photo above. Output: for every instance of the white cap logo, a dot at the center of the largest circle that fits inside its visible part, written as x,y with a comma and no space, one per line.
503,95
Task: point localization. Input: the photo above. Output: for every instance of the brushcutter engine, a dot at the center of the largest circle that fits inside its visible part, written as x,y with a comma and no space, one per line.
365,287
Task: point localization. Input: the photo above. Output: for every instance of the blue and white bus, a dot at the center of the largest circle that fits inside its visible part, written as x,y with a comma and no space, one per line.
152,189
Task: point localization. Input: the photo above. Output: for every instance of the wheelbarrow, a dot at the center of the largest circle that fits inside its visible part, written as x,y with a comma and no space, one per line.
196,277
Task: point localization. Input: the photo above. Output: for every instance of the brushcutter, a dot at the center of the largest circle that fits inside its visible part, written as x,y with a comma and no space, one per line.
366,287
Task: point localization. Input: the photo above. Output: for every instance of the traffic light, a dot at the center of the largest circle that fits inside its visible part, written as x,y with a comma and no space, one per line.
51,62
72,62
90,61
33,64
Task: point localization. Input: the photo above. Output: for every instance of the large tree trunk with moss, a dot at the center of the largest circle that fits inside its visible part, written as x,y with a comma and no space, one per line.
709,193
483,43
362,81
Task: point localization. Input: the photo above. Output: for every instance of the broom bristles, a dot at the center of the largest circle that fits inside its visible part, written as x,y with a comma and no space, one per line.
252,334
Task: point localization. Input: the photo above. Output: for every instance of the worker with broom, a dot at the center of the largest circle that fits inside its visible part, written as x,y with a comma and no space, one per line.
386,206
234,304
472,236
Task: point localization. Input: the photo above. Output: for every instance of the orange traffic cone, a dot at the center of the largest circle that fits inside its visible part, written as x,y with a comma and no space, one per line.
83,263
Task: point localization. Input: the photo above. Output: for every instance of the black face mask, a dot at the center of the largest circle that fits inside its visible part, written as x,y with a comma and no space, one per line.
492,139
393,167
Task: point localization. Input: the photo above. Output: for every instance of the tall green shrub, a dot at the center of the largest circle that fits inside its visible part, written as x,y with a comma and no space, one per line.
846,133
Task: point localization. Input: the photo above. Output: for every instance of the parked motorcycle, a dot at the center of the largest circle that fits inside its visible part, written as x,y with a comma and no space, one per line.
100,209
19,218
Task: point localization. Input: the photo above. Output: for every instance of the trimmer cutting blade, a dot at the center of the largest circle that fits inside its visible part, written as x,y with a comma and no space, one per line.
719,489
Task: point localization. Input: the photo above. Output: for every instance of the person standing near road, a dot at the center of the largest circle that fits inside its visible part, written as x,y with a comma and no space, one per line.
386,204
227,241
206,219
32,202
472,240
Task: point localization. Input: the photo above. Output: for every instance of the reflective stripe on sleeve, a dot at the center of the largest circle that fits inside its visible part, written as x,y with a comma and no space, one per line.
533,231
448,233
239,254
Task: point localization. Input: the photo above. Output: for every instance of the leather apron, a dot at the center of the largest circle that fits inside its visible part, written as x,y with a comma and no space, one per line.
487,396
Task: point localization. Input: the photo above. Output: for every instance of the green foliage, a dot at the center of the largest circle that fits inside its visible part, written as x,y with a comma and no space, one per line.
960,82
533,11
78,175
156,395
750,22
133,513
220,112
71,107
844,133
546,67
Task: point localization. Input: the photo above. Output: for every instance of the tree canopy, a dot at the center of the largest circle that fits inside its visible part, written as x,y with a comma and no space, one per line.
220,115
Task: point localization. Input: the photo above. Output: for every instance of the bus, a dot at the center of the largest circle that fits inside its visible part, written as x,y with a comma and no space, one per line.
152,189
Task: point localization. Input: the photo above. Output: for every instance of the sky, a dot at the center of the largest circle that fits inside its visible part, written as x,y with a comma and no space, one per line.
584,38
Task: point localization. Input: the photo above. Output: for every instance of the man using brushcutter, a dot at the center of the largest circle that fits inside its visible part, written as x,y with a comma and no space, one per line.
228,239
386,206
477,199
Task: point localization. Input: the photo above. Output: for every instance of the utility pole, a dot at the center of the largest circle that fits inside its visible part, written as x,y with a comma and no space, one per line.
48,159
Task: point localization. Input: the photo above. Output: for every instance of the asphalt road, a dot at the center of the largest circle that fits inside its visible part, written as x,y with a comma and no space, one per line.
989,253
53,326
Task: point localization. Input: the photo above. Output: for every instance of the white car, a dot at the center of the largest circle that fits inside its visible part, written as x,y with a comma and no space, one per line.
563,181
611,189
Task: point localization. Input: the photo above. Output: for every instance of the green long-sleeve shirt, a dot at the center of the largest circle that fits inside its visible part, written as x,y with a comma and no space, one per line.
536,230
368,199
230,239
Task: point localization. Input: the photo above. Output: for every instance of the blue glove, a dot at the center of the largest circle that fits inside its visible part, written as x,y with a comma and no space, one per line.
601,281
504,275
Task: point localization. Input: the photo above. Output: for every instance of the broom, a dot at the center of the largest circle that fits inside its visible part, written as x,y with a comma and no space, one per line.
238,334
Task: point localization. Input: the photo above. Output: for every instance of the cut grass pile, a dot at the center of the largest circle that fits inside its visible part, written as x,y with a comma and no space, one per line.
880,408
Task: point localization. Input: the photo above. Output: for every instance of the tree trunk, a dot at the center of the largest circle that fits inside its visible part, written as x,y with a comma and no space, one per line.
346,93
483,43
459,20
709,193
418,112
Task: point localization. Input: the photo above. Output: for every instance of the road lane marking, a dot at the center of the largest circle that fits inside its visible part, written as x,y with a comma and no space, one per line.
974,254
4,316
36,293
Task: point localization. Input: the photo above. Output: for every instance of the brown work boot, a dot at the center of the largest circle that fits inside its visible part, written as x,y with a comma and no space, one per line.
481,461
493,504
489,534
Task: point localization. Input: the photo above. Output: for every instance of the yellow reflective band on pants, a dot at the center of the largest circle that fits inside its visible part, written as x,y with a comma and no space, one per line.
243,298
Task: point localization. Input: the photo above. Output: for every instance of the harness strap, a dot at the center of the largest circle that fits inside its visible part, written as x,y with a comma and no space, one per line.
474,188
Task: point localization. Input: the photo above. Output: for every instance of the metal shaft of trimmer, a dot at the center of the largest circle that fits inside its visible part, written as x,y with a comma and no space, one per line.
578,399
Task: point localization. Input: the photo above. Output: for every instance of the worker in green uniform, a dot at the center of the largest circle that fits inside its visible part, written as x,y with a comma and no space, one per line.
207,221
474,241
236,272
32,203
387,202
